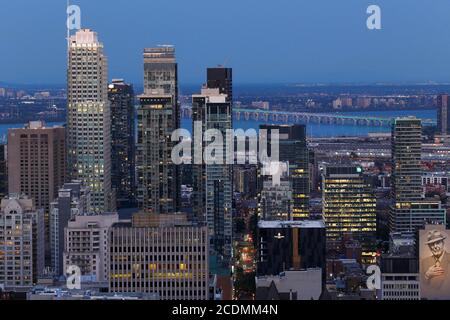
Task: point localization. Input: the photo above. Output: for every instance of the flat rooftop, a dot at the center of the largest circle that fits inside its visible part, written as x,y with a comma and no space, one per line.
275,224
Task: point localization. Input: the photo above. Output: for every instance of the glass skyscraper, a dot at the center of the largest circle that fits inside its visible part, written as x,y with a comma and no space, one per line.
158,116
121,99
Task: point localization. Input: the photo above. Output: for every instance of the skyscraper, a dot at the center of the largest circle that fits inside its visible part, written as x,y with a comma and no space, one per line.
213,184
159,179
121,100
349,207
410,211
89,118
443,115
406,157
221,78
294,150
37,166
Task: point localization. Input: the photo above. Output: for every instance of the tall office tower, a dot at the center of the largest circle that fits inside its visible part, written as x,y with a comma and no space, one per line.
294,150
73,199
159,179
290,245
89,118
221,78
161,254
37,166
349,208
3,172
443,115
410,210
86,244
123,182
22,243
213,183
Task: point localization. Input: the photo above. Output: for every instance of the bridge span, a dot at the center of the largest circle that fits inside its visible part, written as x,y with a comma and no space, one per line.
308,117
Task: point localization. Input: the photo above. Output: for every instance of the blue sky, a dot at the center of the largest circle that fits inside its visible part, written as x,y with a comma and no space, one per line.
282,41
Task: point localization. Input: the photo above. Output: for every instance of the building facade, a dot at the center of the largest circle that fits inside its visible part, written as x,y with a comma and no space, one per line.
275,202
89,118
159,184
443,115
21,242
123,175
400,277
291,245
162,255
410,210
293,149
73,199
86,244
213,181
349,208
37,166
221,78
3,171
159,180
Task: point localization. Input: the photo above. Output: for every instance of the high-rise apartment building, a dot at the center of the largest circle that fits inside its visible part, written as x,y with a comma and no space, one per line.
86,244
160,254
73,199
159,179
213,181
89,118
410,210
37,166
123,181
21,243
406,157
443,115
349,208
293,149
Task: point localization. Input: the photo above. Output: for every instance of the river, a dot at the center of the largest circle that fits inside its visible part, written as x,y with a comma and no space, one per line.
313,130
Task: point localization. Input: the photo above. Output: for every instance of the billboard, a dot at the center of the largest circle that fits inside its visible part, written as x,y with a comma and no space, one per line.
434,255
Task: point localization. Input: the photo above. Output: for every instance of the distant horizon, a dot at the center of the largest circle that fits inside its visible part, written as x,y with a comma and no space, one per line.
242,84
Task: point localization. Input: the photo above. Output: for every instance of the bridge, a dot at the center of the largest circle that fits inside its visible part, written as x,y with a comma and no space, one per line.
307,117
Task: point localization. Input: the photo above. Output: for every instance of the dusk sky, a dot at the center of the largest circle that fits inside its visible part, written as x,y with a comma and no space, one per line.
281,41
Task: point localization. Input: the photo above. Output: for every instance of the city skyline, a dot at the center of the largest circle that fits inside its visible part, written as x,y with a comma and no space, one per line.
308,36
153,192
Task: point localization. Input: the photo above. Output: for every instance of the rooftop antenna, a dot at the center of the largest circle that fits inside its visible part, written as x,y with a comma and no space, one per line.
225,62
67,26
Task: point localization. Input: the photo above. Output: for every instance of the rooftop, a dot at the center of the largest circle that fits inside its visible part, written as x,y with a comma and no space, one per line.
265,224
